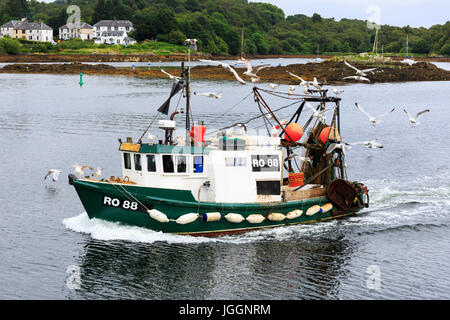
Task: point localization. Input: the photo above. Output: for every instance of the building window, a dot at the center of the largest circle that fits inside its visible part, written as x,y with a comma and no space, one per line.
137,162
151,163
235,162
127,161
198,164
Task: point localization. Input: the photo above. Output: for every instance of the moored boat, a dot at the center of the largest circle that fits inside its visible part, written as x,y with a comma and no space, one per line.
232,182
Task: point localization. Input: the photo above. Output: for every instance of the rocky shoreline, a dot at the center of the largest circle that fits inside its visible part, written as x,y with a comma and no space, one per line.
328,72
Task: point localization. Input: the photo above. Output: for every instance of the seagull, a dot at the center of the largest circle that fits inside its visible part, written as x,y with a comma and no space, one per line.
301,158
54,173
412,119
359,72
252,72
320,115
226,66
192,43
171,76
343,146
291,90
80,169
273,85
210,94
306,91
97,173
336,91
369,144
315,84
373,120
302,83
359,78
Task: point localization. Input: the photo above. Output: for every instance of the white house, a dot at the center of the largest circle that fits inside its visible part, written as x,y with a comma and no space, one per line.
112,25
33,31
114,38
79,30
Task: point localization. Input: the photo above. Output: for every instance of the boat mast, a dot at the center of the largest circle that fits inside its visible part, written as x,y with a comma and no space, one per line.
242,43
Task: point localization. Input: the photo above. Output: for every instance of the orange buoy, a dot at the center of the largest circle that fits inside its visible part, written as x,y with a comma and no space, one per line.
324,134
293,132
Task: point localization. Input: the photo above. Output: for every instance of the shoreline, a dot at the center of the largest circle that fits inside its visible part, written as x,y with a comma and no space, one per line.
328,72
30,58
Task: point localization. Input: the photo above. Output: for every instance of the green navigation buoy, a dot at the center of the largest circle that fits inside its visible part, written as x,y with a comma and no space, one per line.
81,79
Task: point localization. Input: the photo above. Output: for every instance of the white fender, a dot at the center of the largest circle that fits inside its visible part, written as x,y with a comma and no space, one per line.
256,218
294,214
158,215
326,207
313,210
234,217
212,216
276,216
187,218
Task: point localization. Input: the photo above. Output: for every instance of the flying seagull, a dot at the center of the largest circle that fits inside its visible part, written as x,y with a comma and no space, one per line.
302,82
359,72
342,145
320,115
373,120
209,94
54,173
251,72
297,156
192,43
369,144
359,78
315,84
225,66
412,119
80,169
171,76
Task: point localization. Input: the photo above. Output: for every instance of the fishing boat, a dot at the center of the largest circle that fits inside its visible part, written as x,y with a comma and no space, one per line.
234,181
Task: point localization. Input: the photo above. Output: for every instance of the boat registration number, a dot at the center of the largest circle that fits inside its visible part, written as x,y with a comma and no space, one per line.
265,163
124,204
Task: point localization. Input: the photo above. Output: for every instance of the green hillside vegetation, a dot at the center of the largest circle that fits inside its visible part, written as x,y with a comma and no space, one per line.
218,25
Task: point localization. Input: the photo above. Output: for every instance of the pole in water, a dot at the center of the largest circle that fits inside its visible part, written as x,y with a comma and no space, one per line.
81,79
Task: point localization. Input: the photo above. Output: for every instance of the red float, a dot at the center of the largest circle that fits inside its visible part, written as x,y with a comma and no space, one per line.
325,134
198,133
293,132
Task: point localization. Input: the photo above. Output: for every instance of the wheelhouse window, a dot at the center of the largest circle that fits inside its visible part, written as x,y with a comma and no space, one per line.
181,164
137,162
168,165
198,164
151,163
127,161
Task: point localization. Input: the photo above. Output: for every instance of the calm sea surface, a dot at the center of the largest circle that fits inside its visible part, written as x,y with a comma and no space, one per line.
396,249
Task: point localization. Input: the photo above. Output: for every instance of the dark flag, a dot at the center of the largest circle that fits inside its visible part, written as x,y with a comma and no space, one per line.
175,89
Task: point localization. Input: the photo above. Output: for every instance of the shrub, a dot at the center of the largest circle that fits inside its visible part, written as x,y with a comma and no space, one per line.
10,46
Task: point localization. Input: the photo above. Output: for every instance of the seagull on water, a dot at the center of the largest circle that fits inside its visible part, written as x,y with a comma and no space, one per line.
273,85
359,78
226,66
209,94
79,170
54,173
373,120
171,76
362,73
412,119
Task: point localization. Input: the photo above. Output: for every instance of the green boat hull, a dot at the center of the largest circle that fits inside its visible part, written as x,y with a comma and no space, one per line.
128,204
